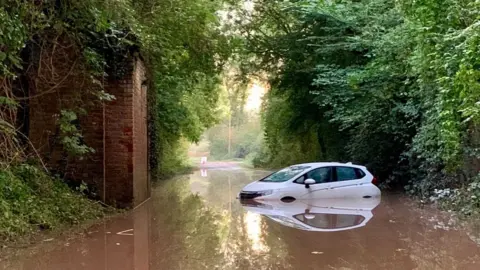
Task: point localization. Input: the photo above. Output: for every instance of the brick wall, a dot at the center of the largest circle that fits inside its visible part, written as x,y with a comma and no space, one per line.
51,90
119,143
126,145
140,141
117,130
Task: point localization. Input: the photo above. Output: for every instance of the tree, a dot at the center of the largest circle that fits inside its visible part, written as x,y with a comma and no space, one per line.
391,85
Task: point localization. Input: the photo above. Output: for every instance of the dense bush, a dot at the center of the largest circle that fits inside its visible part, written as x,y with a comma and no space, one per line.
184,51
465,200
181,42
31,200
390,84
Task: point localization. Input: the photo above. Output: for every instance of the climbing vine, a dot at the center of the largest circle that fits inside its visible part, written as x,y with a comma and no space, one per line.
71,135
47,46
54,43
390,84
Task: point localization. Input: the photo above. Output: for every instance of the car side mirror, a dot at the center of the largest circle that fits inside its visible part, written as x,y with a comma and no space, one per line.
309,216
309,182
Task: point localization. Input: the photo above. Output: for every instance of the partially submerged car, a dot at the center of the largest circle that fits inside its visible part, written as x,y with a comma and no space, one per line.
314,181
327,215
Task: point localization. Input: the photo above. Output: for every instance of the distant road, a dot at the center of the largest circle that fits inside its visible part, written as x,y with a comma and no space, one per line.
220,165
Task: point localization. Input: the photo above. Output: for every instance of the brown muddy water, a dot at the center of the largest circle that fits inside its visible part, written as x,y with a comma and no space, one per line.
196,222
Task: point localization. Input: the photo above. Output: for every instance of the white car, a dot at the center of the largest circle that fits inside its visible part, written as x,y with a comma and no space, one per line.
328,215
314,181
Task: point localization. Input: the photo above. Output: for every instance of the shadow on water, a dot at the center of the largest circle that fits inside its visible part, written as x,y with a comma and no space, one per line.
196,222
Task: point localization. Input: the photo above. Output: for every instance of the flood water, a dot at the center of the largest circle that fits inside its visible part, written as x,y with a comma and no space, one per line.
196,222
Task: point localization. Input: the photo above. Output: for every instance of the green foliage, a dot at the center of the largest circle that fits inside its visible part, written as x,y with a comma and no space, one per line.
390,84
32,33
180,41
31,200
101,32
287,144
173,158
465,200
71,136
238,129
12,40
246,139
184,48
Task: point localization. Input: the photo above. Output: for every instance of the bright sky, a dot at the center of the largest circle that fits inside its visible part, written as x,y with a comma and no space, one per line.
223,14
255,95
248,5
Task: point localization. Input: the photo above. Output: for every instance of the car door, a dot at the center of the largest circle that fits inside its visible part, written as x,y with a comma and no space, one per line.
323,177
346,182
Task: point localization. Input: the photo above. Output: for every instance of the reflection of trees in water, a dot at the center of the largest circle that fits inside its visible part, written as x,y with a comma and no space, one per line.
418,244
203,233
395,238
361,248
185,230
431,248
221,187
251,245
212,231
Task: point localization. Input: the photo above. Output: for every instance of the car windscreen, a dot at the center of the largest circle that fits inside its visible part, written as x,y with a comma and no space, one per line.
285,174
287,222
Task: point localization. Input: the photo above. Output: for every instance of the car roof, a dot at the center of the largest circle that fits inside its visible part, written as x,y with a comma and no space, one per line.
326,164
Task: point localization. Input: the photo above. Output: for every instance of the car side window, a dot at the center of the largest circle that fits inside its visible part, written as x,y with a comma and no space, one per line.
331,221
346,174
300,180
321,175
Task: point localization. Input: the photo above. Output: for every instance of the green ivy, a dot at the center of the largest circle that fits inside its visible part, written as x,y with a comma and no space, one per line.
183,49
13,36
71,135
393,85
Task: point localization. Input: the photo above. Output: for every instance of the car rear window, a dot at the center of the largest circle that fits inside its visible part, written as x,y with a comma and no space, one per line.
285,174
346,173
360,174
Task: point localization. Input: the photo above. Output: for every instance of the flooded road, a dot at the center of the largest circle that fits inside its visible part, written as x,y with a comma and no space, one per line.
196,222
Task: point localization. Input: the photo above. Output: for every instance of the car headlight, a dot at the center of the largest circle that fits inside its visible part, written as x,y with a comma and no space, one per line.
266,192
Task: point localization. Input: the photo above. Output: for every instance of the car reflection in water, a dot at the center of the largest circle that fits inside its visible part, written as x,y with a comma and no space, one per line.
327,215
